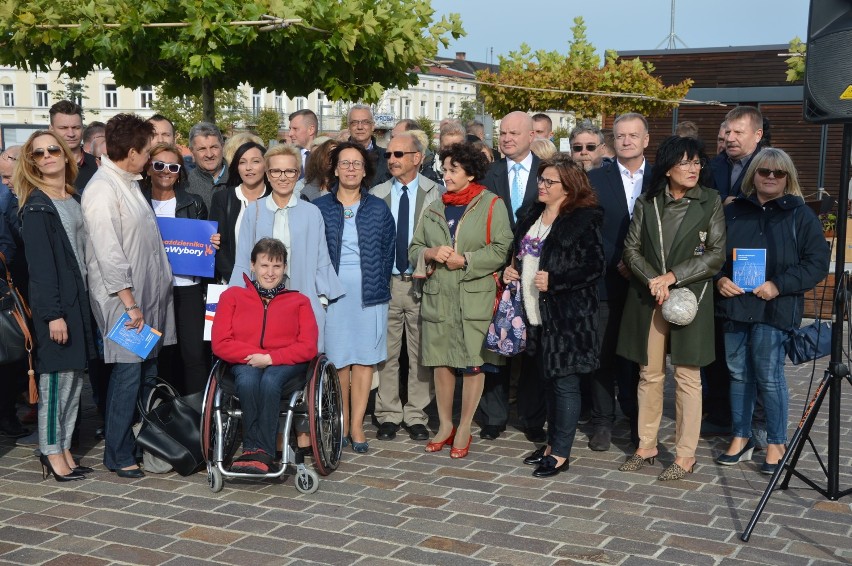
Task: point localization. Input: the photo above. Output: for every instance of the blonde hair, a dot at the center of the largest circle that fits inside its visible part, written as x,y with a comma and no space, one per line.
542,148
27,176
772,158
284,149
235,141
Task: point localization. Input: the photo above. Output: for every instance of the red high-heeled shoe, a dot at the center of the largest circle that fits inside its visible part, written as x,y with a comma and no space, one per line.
461,452
438,446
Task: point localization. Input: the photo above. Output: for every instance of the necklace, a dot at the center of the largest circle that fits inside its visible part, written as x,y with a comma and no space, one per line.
348,213
532,246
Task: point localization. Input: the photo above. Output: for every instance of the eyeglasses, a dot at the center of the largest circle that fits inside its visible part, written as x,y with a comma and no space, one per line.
161,165
346,164
577,148
779,173
548,182
52,150
398,154
357,123
288,173
686,164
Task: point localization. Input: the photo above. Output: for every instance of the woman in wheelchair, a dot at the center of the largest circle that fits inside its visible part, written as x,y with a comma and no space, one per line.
268,334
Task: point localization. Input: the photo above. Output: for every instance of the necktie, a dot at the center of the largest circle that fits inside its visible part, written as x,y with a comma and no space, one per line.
402,232
305,157
516,195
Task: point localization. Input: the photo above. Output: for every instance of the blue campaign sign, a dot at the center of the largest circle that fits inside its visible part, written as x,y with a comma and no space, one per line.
188,246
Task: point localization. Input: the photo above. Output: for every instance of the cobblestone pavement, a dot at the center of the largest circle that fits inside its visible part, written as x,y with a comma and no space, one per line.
399,505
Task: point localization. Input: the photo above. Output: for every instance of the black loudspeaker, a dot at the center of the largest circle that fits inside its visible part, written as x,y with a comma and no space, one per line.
828,68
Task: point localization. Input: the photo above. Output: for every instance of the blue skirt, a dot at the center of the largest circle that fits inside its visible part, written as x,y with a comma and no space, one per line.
355,334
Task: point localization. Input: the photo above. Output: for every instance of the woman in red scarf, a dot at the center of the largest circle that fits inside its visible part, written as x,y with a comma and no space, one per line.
460,243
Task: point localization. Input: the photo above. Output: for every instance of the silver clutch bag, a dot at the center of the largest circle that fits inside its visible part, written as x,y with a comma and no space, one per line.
681,306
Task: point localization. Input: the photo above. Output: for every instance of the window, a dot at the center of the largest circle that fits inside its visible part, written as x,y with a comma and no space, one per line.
301,101
452,108
407,111
437,110
110,96
75,93
8,95
278,102
422,107
146,96
256,101
42,96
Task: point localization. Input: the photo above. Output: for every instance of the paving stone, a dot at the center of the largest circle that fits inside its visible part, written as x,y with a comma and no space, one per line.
461,483
632,547
678,556
24,536
371,548
588,554
204,518
131,554
29,555
702,546
451,545
819,553
233,556
526,516
428,527
76,560
527,544
164,527
423,501
421,556
267,544
328,556
193,548
112,518
401,537
496,525
132,537
190,561
211,535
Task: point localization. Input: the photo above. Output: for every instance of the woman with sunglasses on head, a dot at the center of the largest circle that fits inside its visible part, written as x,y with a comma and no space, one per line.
164,189
676,240
299,225
55,235
361,236
770,215
246,183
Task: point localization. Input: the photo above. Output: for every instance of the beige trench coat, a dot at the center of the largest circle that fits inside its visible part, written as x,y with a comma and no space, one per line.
125,250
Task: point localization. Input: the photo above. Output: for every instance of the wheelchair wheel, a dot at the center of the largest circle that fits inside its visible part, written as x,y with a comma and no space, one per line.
214,478
215,401
307,481
325,413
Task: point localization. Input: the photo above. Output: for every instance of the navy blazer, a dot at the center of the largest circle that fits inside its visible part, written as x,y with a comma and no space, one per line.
721,169
497,181
606,181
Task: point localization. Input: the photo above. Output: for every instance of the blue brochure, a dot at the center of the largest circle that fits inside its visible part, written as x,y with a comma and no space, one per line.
188,246
749,268
140,343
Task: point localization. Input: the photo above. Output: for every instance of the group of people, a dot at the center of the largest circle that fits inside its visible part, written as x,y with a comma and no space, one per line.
348,248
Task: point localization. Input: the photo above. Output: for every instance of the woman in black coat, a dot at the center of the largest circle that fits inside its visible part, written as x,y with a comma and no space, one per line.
55,236
558,260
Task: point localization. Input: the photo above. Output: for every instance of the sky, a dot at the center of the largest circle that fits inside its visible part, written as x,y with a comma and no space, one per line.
619,24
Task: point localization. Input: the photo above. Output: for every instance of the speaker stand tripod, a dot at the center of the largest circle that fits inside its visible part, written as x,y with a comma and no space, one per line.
831,381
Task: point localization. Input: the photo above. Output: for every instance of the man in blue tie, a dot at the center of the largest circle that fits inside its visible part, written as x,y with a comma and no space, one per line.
407,194
514,180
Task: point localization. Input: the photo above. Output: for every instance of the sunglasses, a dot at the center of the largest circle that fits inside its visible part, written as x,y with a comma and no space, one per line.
779,173
52,150
398,154
160,165
589,147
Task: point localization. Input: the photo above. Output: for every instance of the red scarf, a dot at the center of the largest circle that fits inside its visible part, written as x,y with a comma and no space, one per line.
462,197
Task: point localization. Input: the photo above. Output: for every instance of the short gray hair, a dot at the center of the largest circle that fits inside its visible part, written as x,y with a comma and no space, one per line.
415,139
355,107
205,129
586,127
630,116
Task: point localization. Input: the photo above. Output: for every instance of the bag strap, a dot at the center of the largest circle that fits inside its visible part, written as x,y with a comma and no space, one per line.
663,253
21,312
488,224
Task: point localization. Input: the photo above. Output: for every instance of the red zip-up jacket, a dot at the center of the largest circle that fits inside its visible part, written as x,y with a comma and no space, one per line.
285,328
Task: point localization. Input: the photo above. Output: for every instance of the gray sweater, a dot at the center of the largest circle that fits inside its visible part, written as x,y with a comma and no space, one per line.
201,183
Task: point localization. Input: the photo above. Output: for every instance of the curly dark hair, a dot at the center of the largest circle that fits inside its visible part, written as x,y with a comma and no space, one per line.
468,157
369,164
669,154
125,132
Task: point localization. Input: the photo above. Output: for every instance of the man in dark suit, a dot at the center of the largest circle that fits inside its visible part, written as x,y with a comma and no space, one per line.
617,185
743,132
514,180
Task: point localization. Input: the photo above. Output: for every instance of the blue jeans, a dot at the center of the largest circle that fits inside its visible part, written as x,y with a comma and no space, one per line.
563,411
259,391
755,354
123,390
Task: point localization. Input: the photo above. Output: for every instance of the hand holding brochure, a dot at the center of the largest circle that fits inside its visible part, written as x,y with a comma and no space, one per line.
749,268
140,343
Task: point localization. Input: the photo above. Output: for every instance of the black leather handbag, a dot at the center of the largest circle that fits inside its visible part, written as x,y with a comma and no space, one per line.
16,341
171,427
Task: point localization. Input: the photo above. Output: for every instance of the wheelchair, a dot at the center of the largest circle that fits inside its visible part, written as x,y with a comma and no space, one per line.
315,399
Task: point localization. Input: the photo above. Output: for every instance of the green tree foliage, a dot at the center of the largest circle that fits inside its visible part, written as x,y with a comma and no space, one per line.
796,61
428,126
579,70
185,111
267,124
350,49
468,109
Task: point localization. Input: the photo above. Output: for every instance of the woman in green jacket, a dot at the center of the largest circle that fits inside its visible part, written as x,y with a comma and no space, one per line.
676,239
461,242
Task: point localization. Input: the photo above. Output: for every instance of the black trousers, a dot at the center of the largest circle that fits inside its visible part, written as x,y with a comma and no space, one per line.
187,364
532,393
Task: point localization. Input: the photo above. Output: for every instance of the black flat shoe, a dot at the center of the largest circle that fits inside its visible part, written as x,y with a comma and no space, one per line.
489,432
548,467
418,432
536,457
387,431
133,474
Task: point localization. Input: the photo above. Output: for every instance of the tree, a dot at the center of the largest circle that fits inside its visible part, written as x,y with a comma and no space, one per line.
427,126
578,71
267,124
796,61
468,109
350,49
185,111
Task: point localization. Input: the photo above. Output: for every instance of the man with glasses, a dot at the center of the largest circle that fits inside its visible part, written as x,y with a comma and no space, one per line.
617,185
586,142
211,170
66,120
361,125
407,194
743,132
514,180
